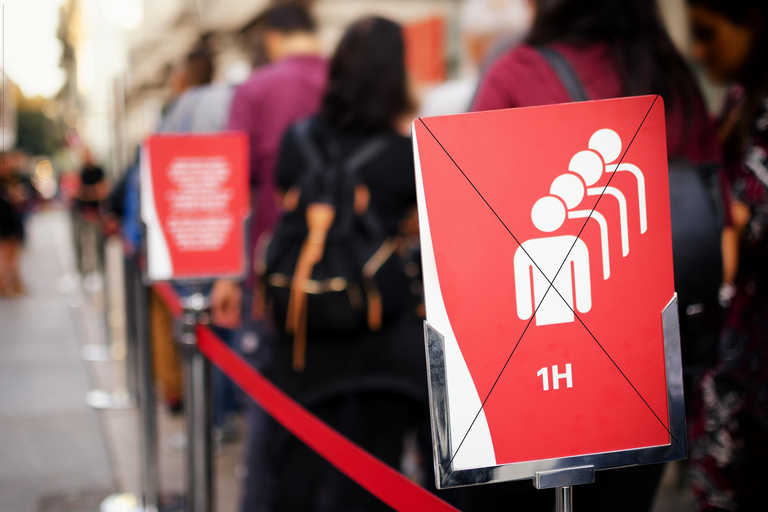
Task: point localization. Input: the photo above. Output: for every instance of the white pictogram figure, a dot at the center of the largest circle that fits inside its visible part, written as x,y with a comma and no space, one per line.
570,188
548,215
608,143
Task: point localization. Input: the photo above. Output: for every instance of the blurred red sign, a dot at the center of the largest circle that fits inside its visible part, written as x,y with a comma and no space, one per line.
548,262
194,202
425,50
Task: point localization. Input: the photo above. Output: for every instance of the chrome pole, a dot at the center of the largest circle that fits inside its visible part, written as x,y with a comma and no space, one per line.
564,499
120,343
197,408
147,400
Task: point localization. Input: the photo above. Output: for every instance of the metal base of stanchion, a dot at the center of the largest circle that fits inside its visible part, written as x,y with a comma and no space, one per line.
123,502
95,353
104,400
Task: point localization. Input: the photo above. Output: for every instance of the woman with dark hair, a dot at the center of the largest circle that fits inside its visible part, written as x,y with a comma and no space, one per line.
614,49
729,452
365,383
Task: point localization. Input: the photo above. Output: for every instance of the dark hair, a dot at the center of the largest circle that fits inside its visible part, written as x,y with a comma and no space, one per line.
645,56
755,75
199,67
287,17
367,86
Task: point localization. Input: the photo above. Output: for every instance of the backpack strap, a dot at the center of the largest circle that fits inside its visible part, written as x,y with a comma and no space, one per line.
309,150
366,154
564,72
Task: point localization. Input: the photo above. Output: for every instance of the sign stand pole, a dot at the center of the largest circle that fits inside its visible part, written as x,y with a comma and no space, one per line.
564,499
197,390
563,480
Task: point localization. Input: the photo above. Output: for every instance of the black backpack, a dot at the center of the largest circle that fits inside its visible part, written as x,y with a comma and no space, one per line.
697,211
329,268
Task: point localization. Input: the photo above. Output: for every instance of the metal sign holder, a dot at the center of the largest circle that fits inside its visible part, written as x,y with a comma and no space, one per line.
561,473
198,406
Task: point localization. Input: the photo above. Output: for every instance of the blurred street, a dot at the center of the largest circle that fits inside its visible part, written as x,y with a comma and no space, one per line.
58,454
53,447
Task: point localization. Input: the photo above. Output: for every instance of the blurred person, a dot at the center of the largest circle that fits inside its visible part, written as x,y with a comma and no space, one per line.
18,197
200,107
93,188
276,94
11,240
486,25
619,49
729,453
364,383
279,92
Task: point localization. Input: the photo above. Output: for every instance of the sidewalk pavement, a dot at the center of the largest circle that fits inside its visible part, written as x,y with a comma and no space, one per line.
53,454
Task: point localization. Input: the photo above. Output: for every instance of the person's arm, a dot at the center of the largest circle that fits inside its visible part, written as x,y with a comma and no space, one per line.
522,268
226,303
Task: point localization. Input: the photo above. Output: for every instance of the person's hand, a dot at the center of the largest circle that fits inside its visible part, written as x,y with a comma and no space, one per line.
110,225
226,298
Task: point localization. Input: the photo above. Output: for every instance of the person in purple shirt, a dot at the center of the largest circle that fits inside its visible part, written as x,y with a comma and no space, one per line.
275,96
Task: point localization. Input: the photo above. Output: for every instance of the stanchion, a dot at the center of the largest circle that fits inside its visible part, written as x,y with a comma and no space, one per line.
118,282
147,400
563,480
564,499
198,413
137,302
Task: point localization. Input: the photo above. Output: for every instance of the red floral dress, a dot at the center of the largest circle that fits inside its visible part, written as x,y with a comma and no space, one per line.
729,447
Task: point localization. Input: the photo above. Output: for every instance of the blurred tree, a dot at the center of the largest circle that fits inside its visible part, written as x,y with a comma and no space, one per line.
39,132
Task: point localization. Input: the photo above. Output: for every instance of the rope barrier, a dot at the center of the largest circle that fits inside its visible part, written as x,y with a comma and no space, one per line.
387,484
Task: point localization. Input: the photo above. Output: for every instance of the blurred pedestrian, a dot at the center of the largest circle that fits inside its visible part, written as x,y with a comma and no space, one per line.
285,89
11,238
729,453
365,382
202,107
277,94
18,197
486,25
86,217
615,49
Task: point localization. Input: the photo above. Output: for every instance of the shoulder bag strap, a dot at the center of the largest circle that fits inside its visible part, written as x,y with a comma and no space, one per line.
366,153
564,72
309,150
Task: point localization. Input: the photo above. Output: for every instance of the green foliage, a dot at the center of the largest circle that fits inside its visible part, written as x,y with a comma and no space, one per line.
38,134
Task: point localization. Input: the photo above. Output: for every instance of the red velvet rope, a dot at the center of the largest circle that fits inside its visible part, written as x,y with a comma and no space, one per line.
382,481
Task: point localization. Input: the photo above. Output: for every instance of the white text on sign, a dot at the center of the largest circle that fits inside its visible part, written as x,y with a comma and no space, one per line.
556,376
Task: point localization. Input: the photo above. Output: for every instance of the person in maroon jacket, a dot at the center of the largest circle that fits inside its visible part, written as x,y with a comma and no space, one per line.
615,49
276,95
286,89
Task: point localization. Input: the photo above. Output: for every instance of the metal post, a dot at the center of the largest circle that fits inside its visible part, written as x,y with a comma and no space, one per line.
564,499
197,407
119,284
139,365
147,400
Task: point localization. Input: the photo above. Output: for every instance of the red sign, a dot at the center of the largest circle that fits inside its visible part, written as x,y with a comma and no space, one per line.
194,202
548,262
